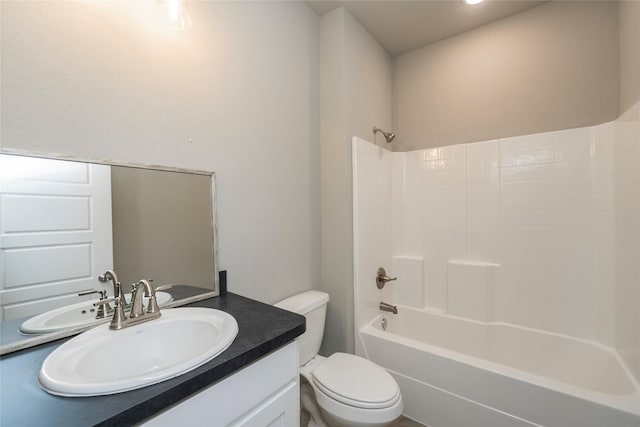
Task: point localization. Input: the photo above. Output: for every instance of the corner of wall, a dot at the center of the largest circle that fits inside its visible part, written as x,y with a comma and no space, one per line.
349,106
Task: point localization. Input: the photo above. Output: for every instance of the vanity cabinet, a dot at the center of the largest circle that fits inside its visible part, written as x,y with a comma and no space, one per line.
253,383
265,393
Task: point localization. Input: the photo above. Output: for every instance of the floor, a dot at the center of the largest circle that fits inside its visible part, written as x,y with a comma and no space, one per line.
400,422
406,422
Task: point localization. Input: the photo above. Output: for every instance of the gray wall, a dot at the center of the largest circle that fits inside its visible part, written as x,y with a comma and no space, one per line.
355,87
551,67
162,227
237,94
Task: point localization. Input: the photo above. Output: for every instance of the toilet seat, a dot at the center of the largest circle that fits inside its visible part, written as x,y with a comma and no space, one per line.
355,381
338,413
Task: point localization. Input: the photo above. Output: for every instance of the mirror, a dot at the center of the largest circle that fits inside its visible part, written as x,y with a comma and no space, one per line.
65,222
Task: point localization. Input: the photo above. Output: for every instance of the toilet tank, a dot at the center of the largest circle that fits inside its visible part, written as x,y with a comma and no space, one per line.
313,306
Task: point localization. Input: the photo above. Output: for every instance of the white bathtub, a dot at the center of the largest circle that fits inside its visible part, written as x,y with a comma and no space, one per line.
457,372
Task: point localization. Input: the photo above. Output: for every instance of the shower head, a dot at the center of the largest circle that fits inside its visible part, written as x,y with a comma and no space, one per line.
388,136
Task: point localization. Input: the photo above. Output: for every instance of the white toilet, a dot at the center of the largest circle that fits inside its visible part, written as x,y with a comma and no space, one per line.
349,390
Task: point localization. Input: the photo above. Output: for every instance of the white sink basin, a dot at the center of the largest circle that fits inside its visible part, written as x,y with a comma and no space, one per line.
101,361
75,315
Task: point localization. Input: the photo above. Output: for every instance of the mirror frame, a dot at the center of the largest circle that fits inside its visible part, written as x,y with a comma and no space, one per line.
31,341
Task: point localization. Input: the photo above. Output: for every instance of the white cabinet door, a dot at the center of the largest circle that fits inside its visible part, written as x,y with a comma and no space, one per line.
55,232
265,393
280,410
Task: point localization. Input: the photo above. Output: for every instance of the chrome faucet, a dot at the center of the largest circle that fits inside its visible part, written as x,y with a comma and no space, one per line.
388,307
138,313
137,310
103,309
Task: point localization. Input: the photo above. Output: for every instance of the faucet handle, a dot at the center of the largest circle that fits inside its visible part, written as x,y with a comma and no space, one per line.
104,306
103,294
119,318
105,301
382,278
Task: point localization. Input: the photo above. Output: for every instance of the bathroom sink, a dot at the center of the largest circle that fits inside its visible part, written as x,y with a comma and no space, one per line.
75,315
101,361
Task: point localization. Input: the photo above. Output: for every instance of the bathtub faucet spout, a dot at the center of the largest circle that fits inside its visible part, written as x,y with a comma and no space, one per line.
388,307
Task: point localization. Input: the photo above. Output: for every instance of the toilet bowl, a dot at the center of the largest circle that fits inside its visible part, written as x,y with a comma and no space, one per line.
342,389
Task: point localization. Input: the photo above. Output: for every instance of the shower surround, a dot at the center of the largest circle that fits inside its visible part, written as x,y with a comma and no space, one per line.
538,232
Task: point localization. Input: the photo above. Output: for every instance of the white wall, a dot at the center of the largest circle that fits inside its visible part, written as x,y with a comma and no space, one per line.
99,80
355,87
551,67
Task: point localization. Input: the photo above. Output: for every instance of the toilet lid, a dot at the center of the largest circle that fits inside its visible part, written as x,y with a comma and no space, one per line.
356,381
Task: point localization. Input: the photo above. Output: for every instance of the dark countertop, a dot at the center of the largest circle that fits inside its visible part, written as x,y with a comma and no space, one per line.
262,329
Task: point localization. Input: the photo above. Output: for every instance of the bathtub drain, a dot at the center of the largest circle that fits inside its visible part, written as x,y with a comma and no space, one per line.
384,323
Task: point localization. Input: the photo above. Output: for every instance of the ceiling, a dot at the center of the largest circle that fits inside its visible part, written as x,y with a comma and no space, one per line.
402,25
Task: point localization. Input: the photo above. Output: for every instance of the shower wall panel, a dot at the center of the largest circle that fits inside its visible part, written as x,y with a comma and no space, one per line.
540,206
372,189
556,215
626,240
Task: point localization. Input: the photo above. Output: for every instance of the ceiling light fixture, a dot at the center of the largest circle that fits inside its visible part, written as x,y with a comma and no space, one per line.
176,12
472,2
